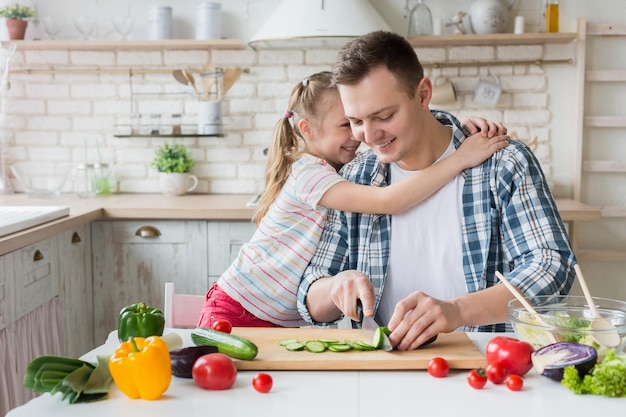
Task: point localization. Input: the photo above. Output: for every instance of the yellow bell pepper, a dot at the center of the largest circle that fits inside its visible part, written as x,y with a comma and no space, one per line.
141,367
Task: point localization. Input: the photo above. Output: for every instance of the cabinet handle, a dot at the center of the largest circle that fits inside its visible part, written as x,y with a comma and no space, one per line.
76,238
148,232
38,256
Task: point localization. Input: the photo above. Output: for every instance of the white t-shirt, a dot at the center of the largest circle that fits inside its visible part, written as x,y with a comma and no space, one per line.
426,246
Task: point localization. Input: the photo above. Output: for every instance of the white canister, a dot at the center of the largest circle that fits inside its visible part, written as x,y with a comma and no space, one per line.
208,21
159,22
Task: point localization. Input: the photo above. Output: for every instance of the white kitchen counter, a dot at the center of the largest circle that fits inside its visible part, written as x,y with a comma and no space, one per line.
339,393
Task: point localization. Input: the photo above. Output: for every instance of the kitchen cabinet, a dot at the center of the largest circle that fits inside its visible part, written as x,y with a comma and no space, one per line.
36,276
225,240
7,296
76,289
30,300
133,259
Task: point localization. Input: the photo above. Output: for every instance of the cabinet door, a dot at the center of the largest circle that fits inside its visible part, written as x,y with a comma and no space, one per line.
225,240
36,273
7,296
132,261
75,284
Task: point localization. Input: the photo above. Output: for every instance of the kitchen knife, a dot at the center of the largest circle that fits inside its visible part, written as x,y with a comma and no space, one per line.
369,328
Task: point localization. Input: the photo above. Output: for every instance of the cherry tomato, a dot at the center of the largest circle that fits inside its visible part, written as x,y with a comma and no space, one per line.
438,367
214,371
514,382
477,378
511,353
496,373
223,326
262,382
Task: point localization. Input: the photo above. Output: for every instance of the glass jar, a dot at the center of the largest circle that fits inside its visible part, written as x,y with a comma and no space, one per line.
155,123
85,181
420,20
177,124
104,181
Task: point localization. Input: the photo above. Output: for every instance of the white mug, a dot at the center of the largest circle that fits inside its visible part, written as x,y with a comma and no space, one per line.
487,92
177,183
443,91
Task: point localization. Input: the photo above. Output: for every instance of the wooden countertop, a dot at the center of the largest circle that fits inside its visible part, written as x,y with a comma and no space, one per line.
124,206
158,206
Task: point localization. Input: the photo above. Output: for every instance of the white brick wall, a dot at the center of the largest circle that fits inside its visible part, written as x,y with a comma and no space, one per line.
53,115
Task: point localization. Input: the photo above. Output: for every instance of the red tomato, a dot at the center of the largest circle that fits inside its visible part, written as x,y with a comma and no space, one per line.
438,367
477,378
262,382
214,371
496,373
511,353
514,382
223,326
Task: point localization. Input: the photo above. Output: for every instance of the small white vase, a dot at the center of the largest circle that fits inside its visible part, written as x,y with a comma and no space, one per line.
177,183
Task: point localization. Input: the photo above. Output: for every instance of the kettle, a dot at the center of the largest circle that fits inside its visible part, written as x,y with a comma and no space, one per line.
490,16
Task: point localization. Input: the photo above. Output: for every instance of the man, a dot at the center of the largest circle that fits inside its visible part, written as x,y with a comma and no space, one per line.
431,269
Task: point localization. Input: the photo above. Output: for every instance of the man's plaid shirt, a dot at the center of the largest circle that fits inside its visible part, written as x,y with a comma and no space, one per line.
510,224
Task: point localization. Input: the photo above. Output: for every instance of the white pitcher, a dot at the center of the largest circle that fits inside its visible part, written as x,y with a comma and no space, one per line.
490,16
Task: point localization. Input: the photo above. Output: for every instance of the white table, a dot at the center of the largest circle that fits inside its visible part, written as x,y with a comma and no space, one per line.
338,393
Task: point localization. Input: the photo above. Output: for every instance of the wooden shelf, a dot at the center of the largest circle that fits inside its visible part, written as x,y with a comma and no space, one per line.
613,211
606,76
604,166
187,44
605,121
601,255
99,45
573,210
183,135
493,39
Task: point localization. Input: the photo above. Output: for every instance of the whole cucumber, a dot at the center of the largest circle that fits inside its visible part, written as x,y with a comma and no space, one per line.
229,344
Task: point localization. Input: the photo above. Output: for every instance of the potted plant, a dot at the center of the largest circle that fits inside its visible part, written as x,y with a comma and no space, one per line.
17,19
174,164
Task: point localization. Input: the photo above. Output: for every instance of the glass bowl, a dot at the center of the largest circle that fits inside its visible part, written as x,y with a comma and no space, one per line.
41,179
567,318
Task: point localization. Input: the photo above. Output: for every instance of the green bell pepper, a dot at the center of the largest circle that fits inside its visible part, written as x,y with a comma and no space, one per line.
140,320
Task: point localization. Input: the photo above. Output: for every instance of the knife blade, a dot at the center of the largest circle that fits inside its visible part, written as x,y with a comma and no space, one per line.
369,327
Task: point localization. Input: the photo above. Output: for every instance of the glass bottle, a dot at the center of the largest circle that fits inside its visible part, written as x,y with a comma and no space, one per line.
420,20
84,185
552,16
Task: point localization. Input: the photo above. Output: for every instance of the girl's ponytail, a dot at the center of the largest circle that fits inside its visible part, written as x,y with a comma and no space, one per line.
287,144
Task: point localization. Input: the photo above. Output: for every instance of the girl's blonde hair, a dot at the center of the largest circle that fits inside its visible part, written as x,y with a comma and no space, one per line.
304,103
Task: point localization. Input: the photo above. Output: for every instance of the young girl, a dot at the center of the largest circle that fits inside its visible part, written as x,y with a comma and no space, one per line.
259,288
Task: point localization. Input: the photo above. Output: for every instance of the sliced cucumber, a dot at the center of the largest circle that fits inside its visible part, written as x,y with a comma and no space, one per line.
358,345
339,347
328,342
314,346
294,346
285,342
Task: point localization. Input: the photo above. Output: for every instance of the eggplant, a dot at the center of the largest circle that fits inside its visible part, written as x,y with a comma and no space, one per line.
182,360
551,360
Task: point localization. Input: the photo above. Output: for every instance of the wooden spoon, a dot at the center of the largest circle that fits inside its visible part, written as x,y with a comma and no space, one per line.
605,336
191,82
551,336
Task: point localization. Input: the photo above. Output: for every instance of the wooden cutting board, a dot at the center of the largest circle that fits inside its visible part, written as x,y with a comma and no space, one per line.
455,347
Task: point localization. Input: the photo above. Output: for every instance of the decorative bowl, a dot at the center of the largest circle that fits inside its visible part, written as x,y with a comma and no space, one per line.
568,318
41,179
